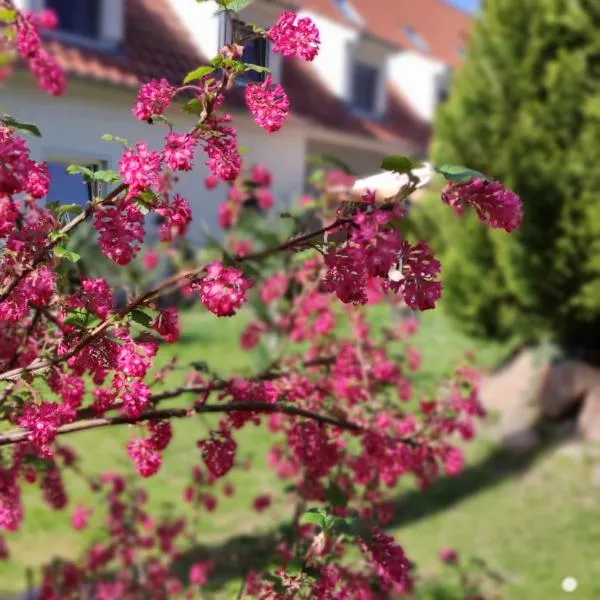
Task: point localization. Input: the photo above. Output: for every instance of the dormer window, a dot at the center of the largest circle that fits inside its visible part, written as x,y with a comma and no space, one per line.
94,24
256,50
365,87
80,17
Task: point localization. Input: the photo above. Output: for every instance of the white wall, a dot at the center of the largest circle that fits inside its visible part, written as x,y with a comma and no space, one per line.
72,128
417,78
332,61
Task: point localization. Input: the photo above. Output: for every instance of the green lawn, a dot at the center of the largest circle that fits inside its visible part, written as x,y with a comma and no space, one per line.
534,519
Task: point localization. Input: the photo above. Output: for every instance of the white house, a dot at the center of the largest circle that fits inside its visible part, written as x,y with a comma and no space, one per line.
369,93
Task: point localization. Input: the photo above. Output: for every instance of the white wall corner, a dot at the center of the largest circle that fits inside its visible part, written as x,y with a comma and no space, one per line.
112,21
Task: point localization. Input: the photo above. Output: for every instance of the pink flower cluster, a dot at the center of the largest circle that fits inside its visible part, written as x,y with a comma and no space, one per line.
42,64
375,250
494,204
268,104
223,289
295,37
153,99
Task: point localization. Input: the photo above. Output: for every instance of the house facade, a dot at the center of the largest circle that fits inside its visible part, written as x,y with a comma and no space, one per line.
351,102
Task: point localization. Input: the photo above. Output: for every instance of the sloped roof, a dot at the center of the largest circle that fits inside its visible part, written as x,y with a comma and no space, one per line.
157,45
443,28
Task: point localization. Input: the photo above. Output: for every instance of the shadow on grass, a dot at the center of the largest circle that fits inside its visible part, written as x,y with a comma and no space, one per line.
500,464
234,557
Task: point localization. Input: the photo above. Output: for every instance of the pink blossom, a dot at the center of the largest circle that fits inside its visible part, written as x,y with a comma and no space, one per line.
146,459
38,180
136,399
251,335
153,99
179,151
9,215
295,38
121,231
218,452
494,204
47,19
16,164
200,571
167,324
81,517
28,37
53,489
274,287
211,182
261,176
50,75
97,296
268,104
454,461
151,259
162,433
449,556
224,159
140,167
391,561
42,422
11,508
177,215
223,289
265,199
228,213
263,502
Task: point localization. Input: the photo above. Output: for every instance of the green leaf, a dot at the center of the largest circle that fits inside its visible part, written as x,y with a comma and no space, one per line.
74,209
108,137
460,174
295,567
141,317
82,318
8,15
399,164
235,5
66,253
198,73
20,125
335,495
315,516
193,107
317,176
109,176
80,170
257,68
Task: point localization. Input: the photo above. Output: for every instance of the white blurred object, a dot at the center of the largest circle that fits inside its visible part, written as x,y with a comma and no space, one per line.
569,584
387,183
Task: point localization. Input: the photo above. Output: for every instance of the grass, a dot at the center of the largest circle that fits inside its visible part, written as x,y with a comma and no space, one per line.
534,518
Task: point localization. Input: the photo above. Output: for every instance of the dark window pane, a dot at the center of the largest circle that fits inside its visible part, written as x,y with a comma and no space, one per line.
364,86
77,16
68,189
255,51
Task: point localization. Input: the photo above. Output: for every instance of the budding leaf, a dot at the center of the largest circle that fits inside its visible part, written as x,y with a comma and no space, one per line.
460,174
108,137
193,107
66,253
74,209
8,15
315,516
399,164
198,73
109,176
257,68
139,316
80,170
235,5
20,125
82,318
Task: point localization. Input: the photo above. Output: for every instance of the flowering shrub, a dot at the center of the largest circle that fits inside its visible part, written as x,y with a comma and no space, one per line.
346,423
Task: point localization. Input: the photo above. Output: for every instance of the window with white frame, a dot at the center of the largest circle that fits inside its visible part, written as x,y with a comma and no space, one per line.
365,86
73,189
78,17
256,49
